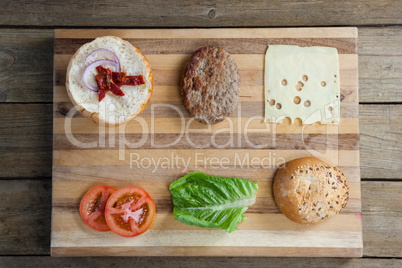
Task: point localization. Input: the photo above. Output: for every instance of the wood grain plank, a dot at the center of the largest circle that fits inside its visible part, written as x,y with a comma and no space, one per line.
382,79
209,251
25,216
350,222
214,158
25,140
382,224
222,33
240,243
249,141
243,44
380,141
26,58
194,14
186,124
170,109
200,262
107,174
380,130
377,133
380,64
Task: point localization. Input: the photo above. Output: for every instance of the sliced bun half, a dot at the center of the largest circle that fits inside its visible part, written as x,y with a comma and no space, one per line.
112,110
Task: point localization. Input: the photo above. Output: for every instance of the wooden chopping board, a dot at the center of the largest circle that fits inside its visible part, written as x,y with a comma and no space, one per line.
163,144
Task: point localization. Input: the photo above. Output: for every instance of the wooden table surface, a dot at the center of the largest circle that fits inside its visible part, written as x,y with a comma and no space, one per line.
26,96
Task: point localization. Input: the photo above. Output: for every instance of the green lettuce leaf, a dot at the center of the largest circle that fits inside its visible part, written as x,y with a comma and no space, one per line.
212,202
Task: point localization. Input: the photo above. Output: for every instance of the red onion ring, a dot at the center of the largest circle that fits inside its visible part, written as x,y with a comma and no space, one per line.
87,72
107,51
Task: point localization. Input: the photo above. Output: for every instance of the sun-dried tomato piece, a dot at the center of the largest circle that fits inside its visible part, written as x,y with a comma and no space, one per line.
105,83
121,79
134,80
111,81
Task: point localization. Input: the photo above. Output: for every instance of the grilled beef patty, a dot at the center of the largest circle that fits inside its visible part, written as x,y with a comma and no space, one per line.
210,85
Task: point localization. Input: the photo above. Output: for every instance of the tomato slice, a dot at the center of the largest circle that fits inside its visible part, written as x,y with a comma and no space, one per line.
130,211
92,207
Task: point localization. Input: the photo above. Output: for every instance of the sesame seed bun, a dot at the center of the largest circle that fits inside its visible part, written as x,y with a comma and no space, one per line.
309,191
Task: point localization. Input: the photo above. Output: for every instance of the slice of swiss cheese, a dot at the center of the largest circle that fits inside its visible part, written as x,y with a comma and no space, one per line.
302,82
